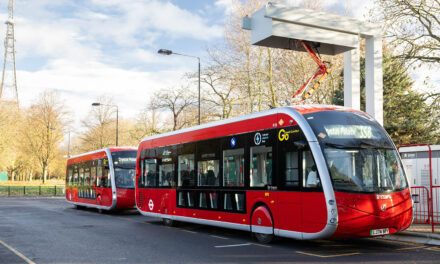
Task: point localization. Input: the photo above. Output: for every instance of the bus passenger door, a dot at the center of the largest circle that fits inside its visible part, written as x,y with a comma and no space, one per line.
289,195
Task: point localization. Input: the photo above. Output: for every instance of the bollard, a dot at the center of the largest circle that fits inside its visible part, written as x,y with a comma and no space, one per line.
9,190
39,190
24,190
55,190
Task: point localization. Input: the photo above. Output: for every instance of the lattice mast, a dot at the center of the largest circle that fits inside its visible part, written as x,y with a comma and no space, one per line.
8,86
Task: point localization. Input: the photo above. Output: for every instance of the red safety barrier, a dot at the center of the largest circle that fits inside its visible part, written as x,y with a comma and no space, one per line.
430,202
422,207
436,204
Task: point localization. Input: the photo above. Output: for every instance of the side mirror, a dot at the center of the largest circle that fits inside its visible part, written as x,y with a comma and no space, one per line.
415,198
300,144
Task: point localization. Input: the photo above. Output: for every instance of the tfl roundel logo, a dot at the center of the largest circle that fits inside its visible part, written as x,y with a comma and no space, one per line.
151,205
257,139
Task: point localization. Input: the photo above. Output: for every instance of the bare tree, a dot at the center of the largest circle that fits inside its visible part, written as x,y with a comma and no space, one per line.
100,126
147,123
177,101
414,27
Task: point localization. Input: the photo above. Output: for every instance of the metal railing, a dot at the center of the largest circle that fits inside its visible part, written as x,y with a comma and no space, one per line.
32,190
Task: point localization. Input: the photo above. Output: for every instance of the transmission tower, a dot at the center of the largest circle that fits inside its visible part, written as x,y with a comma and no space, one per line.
8,86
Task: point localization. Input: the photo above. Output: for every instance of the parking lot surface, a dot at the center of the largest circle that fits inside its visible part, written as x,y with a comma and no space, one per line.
49,230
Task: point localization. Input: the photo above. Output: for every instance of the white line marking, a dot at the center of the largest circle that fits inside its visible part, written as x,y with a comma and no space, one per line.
17,253
236,245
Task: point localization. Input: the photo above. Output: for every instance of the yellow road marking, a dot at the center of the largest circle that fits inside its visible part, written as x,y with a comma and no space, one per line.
410,248
328,256
17,253
261,245
400,242
219,237
433,248
189,231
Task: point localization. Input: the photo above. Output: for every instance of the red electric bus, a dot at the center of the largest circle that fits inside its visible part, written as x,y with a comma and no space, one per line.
304,172
102,179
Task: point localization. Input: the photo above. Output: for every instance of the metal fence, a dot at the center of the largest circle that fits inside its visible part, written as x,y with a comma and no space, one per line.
32,190
426,210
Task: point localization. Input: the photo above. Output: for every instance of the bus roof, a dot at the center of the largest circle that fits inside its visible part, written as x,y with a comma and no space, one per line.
237,125
111,149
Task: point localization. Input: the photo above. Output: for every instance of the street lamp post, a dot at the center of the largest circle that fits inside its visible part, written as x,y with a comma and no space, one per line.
169,52
117,118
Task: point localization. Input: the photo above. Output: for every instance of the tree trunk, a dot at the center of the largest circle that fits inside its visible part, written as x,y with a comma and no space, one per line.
44,173
31,174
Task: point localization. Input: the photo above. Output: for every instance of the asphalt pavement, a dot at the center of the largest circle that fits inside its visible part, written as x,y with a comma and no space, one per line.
49,230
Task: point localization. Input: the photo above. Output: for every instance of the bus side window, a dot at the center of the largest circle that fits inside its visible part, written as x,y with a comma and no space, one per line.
99,174
261,166
309,172
208,173
166,174
186,170
233,168
87,174
81,175
93,171
75,175
151,170
69,175
292,169
106,173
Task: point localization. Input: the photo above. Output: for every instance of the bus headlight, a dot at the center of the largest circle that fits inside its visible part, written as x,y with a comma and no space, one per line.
333,220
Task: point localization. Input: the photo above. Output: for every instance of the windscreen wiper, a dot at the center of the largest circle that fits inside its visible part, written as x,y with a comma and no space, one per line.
124,167
334,145
369,145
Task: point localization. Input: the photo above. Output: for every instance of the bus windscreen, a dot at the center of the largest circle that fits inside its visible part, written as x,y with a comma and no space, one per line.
124,163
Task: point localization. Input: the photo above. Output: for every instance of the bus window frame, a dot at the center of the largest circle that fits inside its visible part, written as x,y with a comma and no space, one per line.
172,149
270,142
205,147
241,141
187,149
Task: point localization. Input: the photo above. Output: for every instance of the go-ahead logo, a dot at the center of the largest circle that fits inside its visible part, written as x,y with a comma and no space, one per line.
284,135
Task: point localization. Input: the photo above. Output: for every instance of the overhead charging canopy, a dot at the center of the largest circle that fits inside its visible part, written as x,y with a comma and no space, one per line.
278,26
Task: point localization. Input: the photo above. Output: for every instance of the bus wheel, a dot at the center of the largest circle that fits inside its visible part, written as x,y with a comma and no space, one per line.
262,224
78,207
264,238
100,211
169,222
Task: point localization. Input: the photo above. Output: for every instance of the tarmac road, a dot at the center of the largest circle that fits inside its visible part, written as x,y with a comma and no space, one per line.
49,230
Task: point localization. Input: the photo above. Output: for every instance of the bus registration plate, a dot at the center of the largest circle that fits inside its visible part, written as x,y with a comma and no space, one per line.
379,232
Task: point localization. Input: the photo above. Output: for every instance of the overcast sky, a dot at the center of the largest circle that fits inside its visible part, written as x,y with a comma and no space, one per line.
87,48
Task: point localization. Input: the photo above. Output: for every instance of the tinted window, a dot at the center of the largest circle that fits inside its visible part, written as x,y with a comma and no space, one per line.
310,173
261,166
124,163
186,170
348,129
233,167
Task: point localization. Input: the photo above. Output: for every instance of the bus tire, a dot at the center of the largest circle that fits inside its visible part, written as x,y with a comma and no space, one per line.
264,238
78,207
169,222
261,220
